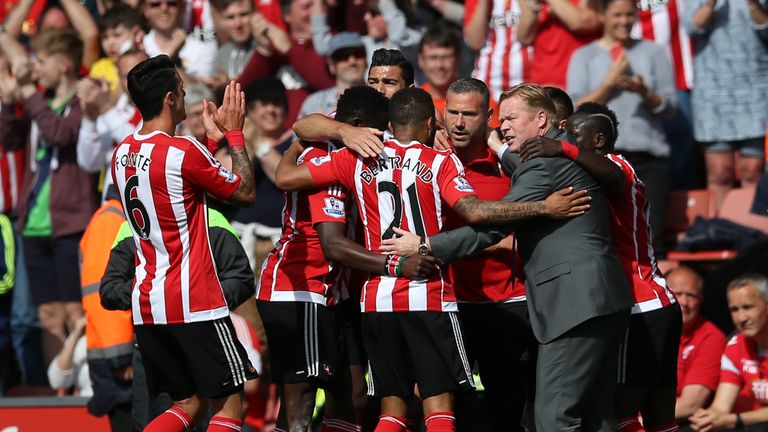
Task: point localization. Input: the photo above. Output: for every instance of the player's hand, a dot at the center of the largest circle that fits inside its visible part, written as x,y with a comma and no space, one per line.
441,140
494,141
232,111
407,244
210,121
540,146
567,203
703,420
362,140
418,266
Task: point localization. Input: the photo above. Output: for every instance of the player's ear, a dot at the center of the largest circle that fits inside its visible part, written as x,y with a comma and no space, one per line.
169,99
600,140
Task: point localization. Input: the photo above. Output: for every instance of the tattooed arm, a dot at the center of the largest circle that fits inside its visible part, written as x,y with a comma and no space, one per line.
564,203
227,121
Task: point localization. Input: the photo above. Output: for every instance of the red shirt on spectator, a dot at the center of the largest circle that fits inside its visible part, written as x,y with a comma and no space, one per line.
660,22
495,275
698,361
744,366
553,47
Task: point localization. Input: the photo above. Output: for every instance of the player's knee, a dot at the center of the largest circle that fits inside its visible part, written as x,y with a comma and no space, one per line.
191,406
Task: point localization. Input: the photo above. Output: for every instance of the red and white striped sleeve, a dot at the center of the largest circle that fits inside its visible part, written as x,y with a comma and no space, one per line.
201,169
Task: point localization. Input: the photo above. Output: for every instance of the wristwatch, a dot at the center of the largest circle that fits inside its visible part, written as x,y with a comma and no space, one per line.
424,247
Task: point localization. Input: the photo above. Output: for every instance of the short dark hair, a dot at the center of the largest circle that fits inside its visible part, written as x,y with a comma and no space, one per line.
410,107
441,34
472,85
120,15
266,90
602,5
604,119
563,102
149,82
365,104
393,57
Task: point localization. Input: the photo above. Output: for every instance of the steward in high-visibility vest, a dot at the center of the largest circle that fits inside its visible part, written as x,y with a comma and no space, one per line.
108,334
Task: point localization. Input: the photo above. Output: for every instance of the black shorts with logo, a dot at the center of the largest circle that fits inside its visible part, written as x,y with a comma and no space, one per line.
407,348
649,349
303,341
204,358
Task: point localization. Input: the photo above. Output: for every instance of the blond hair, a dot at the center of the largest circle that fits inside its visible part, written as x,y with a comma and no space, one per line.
535,98
60,41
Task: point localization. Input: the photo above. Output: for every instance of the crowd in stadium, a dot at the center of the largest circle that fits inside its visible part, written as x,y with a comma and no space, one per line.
384,215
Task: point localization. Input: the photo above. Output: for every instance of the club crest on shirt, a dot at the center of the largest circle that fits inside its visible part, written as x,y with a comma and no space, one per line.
749,367
227,174
462,185
687,351
317,161
334,208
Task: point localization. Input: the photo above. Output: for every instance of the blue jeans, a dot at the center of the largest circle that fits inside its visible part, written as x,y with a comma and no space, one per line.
25,327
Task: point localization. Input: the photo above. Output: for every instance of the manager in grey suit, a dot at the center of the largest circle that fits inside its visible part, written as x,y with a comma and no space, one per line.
578,296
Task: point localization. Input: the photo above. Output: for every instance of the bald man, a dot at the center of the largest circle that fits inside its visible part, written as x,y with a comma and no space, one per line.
701,345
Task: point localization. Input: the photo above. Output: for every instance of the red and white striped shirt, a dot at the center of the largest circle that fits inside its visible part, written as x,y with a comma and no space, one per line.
405,187
661,21
11,176
632,241
502,62
162,181
296,270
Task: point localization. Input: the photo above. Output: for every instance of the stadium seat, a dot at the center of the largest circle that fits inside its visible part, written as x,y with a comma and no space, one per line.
682,209
735,207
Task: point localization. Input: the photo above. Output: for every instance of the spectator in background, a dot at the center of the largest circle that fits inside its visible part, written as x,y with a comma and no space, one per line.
195,51
555,29
289,55
386,28
69,369
347,62
259,226
121,31
730,92
742,392
634,79
701,345
196,94
65,14
490,26
661,22
58,195
104,126
235,17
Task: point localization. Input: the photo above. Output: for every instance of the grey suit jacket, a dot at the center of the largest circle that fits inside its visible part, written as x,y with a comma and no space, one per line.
572,272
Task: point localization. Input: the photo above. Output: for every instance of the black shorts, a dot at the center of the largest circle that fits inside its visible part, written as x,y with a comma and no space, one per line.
202,358
649,349
347,319
405,348
53,268
303,343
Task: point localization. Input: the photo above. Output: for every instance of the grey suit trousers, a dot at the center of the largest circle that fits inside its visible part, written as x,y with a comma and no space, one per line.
576,376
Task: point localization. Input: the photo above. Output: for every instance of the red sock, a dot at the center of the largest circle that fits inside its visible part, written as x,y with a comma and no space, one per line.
172,420
390,424
666,427
630,424
441,422
336,425
224,424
